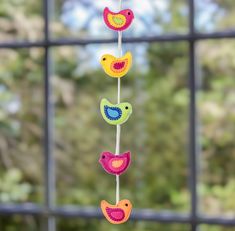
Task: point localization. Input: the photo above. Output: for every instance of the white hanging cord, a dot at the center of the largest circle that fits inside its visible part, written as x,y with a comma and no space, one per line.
118,131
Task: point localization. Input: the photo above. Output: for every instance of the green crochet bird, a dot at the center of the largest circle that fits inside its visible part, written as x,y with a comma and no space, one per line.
115,114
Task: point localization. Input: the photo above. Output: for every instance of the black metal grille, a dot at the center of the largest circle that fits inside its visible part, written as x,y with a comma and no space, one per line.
49,211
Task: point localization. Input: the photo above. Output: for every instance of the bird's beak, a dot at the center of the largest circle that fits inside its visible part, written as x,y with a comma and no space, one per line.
100,160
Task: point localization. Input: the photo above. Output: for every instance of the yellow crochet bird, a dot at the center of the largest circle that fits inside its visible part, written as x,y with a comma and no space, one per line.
116,67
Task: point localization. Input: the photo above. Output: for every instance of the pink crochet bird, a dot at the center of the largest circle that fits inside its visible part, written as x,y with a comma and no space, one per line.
115,164
118,21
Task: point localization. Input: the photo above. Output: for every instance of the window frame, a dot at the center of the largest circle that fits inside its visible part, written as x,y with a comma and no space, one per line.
49,211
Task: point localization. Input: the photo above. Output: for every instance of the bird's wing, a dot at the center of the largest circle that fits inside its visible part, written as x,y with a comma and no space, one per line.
117,20
113,113
117,163
115,214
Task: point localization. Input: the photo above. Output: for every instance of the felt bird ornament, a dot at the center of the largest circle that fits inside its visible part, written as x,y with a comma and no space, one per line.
118,21
116,214
116,67
115,114
115,164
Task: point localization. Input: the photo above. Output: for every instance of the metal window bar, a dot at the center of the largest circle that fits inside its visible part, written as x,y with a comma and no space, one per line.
49,211
49,223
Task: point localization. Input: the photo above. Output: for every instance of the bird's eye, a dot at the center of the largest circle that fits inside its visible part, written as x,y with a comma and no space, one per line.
126,205
129,13
126,108
103,157
104,59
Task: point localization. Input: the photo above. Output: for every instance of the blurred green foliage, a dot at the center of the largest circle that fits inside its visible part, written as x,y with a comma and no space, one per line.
157,132
12,189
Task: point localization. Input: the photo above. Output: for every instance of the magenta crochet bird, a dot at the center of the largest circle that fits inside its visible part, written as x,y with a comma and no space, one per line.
115,164
118,21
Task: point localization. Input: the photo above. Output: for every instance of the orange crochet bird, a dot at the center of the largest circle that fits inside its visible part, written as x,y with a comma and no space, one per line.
117,214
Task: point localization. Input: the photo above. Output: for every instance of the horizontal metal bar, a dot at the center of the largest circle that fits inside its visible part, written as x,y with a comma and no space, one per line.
160,216
21,44
160,38
83,42
214,35
216,221
90,212
94,212
141,214
148,39
24,209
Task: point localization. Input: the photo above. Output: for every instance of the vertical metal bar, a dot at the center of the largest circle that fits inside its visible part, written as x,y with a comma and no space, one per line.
48,136
193,137
193,121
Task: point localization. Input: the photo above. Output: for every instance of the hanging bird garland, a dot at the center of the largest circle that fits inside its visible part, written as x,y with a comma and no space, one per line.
116,114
